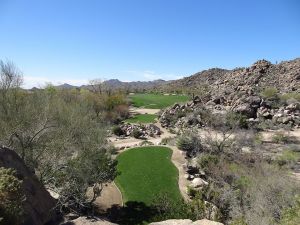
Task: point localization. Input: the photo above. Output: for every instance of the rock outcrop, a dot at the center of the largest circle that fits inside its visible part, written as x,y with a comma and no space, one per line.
285,76
187,222
240,90
85,221
145,131
38,204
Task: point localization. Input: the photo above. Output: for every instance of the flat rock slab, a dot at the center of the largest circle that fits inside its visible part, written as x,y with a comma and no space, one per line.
85,221
187,222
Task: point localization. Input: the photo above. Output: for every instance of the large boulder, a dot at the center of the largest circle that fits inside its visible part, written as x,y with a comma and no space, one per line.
245,109
38,204
198,182
86,221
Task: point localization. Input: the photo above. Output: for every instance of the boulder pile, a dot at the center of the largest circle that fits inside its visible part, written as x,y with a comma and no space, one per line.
145,131
254,108
240,90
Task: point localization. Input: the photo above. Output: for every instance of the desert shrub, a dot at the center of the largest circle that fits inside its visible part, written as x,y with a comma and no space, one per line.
235,120
145,143
173,118
280,137
117,130
291,96
136,133
111,149
238,221
291,216
122,111
93,168
207,160
190,143
246,196
270,92
288,158
271,125
258,139
166,208
11,197
172,131
205,115
168,141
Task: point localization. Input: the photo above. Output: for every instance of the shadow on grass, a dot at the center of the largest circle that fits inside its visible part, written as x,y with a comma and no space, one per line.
132,213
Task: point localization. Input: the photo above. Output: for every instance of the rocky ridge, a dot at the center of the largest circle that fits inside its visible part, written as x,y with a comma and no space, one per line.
285,76
240,90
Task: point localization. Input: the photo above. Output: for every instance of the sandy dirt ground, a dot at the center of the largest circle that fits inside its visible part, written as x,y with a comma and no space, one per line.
110,196
178,160
134,110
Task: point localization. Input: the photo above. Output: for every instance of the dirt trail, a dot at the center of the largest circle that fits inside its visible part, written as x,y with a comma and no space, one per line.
178,159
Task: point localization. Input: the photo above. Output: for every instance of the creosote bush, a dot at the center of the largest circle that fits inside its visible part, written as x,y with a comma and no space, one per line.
190,143
136,133
270,92
280,137
117,130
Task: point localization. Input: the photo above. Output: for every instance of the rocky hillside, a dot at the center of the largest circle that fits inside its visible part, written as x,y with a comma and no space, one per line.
285,76
264,93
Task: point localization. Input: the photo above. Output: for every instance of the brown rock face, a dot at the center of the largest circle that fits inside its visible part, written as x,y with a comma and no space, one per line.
38,204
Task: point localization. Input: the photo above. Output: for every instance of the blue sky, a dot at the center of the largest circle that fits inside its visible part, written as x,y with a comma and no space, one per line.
75,41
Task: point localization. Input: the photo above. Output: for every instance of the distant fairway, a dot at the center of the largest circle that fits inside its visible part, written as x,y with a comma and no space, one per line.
145,172
142,118
156,101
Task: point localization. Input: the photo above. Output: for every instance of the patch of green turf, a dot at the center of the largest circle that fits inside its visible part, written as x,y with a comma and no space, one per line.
142,118
146,172
156,101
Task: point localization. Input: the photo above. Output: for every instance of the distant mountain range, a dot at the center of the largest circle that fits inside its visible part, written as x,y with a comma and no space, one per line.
117,84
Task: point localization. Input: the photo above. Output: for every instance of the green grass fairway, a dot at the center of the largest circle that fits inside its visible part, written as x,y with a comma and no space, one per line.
156,101
146,172
142,118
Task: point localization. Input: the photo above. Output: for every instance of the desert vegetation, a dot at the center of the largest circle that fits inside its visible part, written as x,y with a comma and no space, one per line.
60,135
216,163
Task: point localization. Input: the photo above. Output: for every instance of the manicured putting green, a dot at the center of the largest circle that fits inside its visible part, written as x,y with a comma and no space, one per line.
146,172
142,118
156,101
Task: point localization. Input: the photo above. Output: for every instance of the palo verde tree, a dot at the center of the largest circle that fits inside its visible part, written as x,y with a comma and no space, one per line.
58,136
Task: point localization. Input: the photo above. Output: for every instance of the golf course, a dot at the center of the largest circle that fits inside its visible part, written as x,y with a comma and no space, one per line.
146,172
156,101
